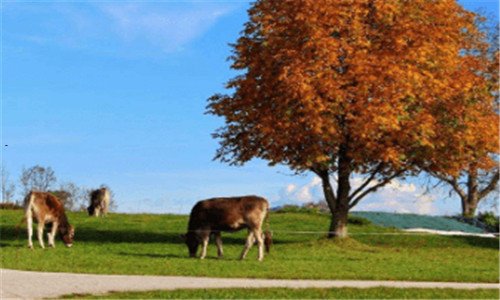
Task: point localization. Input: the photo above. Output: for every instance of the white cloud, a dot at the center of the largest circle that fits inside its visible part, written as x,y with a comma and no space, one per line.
397,185
290,188
398,196
169,29
134,28
402,202
308,192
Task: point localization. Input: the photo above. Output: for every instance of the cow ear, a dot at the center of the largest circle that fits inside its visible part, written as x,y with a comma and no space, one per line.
183,237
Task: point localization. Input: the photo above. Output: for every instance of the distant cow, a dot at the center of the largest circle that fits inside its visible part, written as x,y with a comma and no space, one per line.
47,209
215,215
99,202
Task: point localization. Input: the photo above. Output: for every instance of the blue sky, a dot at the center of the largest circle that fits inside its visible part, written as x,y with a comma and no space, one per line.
115,92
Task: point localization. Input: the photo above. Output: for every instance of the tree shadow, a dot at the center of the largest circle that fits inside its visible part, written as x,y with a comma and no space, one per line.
125,236
170,255
13,233
86,234
476,241
148,255
428,241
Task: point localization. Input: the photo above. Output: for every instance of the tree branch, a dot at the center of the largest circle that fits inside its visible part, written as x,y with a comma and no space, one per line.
374,188
367,181
453,182
492,185
330,196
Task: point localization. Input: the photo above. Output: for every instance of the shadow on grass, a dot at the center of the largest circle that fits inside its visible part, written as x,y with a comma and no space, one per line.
177,256
85,234
482,242
428,241
148,255
10,233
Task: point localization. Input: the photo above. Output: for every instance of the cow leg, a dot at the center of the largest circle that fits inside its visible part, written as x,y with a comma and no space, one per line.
248,244
260,242
29,223
52,235
218,242
41,224
204,246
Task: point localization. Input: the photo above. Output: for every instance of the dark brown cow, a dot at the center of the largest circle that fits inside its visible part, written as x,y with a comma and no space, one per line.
99,202
215,215
46,208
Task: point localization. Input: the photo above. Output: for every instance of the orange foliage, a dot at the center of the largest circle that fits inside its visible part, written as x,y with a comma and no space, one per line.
392,82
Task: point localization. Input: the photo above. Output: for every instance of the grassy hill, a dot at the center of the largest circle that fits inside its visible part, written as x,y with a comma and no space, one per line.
149,244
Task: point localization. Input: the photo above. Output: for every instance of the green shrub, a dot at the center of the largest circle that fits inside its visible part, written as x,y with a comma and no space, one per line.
316,209
297,209
10,205
358,221
489,219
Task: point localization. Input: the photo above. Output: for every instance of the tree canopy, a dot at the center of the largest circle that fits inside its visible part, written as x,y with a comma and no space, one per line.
351,87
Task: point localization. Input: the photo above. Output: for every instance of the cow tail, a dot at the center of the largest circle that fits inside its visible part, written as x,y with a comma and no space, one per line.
268,236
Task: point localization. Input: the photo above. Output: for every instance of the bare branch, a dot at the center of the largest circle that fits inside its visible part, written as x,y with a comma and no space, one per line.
453,181
367,181
327,187
492,185
374,188
37,178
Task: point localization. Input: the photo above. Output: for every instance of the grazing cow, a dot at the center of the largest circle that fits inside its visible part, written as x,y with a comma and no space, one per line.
99,202
46,208
215,215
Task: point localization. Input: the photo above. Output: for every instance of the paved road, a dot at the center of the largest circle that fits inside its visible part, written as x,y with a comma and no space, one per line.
24,284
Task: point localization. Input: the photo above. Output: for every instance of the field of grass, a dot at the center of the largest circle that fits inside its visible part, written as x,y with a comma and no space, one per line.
283,293
150,244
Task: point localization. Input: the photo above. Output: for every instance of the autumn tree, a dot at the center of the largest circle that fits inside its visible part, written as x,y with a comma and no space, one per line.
345,88
476,146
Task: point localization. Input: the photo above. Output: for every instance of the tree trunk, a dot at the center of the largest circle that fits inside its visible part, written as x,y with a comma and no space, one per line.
469,204
468,211
339,205
328,191
338,225
339,209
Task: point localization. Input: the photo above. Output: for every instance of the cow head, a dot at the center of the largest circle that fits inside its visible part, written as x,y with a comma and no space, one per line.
91,210
192,241
67,235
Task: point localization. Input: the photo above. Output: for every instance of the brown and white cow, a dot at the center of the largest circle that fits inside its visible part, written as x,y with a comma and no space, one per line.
46,208
215,215
99,202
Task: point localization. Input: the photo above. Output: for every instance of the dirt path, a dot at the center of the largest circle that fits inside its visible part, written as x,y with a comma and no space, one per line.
24,284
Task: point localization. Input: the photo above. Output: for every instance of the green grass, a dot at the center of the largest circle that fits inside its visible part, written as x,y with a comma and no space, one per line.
149,244
283,293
